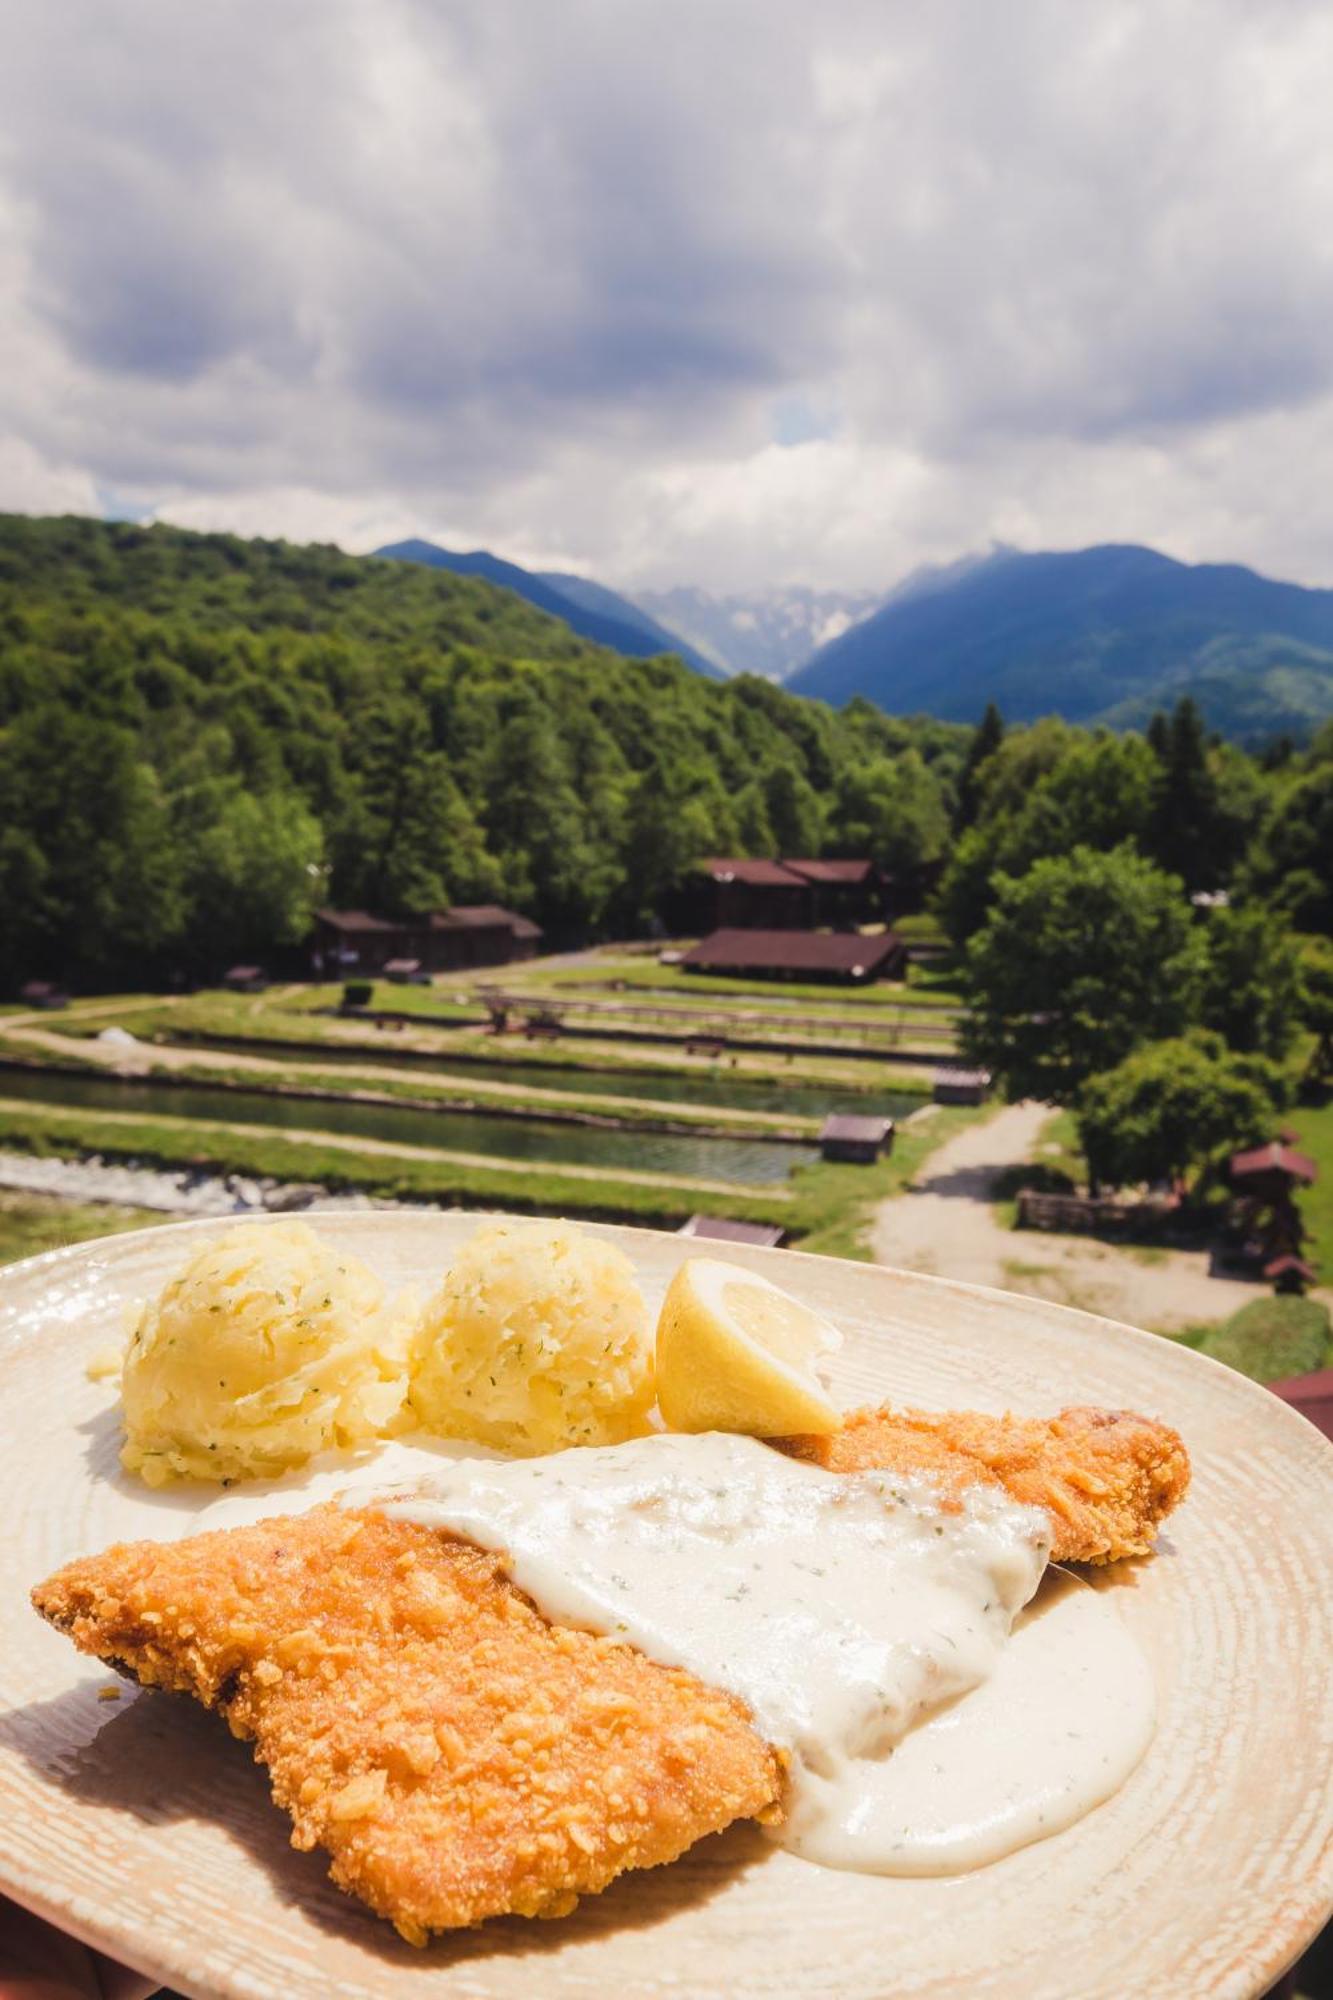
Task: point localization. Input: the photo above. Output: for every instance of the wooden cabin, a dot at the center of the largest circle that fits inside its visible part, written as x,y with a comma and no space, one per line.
855,1140
452,940
798,894
846,958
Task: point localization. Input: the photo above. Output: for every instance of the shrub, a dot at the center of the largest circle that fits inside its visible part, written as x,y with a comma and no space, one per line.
358,993
1272,1338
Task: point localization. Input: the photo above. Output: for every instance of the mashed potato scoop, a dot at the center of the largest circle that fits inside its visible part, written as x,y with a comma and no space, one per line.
269,1346
537,1339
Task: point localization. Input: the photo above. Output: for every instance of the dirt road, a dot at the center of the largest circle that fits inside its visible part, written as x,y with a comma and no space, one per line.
947,1225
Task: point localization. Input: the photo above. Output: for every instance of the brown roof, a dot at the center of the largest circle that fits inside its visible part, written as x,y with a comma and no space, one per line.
719,1229
1312,1395
832,871
852,1125
793,951
1273,1158
354,920
755,874
483,917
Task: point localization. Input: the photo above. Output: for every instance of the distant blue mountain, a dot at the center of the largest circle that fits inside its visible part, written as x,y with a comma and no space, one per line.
1098,635
595,597
591,610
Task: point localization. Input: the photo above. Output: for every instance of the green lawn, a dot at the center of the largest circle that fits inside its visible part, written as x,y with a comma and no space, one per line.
259,1021
824,1207
636,974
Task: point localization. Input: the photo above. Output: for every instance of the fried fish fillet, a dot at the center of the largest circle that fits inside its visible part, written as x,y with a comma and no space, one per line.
1106,1478
456,1754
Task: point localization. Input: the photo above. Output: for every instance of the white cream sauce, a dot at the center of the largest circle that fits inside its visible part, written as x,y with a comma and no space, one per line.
862,1623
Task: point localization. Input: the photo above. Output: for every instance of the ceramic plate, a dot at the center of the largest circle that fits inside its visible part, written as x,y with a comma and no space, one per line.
144,1828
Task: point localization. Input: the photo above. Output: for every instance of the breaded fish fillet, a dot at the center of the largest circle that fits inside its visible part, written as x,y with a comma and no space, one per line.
1107,1478
457,1755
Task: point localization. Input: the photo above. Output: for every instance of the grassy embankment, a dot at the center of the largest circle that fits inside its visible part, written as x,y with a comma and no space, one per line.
424,1088
636,975
824,1207
288,1016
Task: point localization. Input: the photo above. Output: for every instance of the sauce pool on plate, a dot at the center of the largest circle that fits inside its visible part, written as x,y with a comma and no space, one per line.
934,1716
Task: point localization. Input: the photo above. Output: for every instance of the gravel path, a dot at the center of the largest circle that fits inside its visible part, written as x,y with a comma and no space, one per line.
946,1225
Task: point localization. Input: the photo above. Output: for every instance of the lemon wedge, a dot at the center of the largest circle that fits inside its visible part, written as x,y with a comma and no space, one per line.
734,1353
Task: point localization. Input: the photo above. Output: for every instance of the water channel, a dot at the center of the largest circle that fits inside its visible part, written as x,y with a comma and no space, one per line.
715,1088
746,1161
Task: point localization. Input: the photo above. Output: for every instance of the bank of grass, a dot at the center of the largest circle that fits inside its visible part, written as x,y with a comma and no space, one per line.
824,1207
31,1223
1269,1339
249,1022
639,975
429,1090
419,1175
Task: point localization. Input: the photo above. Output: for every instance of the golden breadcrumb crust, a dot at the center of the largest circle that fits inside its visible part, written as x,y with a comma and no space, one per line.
1107,1478
457,1755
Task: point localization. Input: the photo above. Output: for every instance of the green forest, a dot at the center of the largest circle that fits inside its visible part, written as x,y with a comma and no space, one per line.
203,738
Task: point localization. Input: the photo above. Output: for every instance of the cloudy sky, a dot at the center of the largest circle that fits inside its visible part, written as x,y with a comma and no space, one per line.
735,292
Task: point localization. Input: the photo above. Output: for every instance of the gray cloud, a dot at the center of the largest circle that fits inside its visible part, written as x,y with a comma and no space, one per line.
732,290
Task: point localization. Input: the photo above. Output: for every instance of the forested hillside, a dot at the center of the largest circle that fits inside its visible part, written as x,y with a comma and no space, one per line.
202,737
594,613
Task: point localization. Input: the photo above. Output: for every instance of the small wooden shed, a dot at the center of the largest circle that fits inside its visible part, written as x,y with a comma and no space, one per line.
857,1140
42,993
961,1086
720,1229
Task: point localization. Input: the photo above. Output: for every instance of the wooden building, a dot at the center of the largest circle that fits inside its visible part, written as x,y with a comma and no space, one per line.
721,1229
245,978
740,894
961,1086
452,940
43,993
856,1140
844,957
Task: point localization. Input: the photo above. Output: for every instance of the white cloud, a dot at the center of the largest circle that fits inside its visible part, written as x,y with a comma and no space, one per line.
735,291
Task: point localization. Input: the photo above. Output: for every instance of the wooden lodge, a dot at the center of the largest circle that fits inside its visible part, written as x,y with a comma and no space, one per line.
741,894
452,940
845,957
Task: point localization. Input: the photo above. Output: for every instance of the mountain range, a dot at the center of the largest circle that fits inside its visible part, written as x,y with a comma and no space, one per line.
593,611
1104,634
769,632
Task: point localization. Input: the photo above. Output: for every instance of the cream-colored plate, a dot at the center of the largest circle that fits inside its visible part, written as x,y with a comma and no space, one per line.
145,1829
